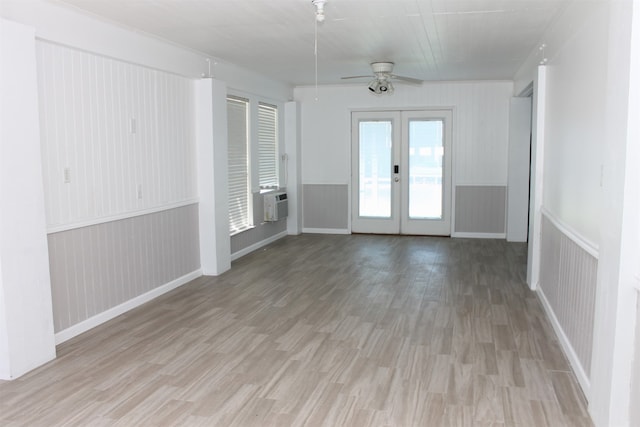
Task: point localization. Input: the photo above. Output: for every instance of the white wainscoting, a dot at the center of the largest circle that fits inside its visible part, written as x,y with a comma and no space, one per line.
567,289
480,211
112,313
325,207
98,271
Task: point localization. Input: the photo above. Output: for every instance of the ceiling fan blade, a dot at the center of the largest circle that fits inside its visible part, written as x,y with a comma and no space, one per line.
407,79
356,77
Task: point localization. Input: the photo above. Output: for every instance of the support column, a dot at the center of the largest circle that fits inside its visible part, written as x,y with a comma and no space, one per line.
26,316
211,140
294,178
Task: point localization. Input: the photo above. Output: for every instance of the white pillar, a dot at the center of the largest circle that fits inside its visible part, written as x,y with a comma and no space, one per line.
26,317
211,140
615,311
294,177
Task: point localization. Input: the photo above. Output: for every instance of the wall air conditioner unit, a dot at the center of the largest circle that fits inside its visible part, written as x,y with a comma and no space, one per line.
276,206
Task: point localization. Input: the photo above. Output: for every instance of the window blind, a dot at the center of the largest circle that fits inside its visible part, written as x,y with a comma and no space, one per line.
267,145
237,128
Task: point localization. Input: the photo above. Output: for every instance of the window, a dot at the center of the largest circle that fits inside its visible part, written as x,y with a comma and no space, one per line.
239,190
267,146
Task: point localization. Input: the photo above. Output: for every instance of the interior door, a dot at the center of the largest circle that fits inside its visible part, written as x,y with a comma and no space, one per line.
401,172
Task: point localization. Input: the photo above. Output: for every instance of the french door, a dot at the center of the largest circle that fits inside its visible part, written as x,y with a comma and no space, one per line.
401,172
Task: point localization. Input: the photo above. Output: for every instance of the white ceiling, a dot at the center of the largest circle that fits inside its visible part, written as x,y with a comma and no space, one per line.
427,39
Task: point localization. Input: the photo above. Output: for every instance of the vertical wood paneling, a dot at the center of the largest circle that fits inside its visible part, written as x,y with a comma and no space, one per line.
480,209
98,267
87,103
568,280
480,128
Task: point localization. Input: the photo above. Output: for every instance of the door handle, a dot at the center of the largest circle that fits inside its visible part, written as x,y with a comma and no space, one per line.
396,169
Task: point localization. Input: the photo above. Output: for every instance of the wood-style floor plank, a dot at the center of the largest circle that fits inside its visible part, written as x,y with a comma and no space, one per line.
321,331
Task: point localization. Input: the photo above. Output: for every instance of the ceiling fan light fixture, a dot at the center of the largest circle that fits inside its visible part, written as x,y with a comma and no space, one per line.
382,76
381,86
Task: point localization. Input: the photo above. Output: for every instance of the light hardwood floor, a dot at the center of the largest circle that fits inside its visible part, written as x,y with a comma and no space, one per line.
321,330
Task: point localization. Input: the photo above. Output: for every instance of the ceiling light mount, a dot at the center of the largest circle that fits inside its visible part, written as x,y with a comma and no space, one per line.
544,59
382,67
319,4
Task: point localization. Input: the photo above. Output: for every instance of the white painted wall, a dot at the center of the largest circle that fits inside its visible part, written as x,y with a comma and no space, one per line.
616,296
26,320
87,32
575,128
571,20
590,122
480,135
576,51
632,200
123,132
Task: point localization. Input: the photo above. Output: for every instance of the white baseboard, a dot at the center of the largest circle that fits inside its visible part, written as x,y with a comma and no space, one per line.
463,235
326,231
116,311
256,246
569,352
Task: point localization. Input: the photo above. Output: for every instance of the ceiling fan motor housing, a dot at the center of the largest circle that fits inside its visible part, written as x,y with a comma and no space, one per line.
382,67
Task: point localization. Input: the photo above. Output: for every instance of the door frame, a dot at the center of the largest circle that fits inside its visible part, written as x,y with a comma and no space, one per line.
451,110
519,169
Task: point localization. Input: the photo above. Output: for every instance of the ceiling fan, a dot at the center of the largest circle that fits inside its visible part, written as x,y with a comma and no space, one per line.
383,74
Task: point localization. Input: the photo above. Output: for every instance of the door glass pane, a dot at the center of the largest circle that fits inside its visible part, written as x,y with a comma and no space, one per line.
375,169
426,153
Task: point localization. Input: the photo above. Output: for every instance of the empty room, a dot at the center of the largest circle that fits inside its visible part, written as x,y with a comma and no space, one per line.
319,213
